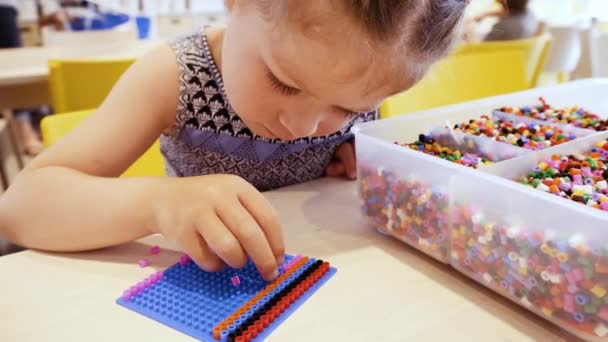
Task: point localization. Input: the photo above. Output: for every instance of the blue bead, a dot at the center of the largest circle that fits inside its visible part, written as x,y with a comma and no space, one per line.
581,299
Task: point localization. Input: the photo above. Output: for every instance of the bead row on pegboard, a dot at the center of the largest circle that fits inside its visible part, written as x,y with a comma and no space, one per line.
254,316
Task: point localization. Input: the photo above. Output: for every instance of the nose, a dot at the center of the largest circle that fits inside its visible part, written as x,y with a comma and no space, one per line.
302,123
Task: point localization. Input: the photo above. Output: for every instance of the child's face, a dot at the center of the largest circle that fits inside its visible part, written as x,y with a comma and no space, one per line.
291,84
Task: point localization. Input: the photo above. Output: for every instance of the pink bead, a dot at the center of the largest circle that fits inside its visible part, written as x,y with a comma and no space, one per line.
155,250
597,173
603,314
577,179
586,172
126,295
144,263
569,303
604,205
235,281
571,277
578,273
184,259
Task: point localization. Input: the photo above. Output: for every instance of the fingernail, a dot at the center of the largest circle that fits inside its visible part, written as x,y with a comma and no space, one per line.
280,260
275,274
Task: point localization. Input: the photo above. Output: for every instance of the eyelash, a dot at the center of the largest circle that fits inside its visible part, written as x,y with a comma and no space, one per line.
280,86
347,113
289,91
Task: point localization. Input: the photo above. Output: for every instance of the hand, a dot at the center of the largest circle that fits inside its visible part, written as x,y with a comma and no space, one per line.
344,164
58,20
218,220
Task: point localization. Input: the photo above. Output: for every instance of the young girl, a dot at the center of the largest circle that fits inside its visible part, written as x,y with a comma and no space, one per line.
266,102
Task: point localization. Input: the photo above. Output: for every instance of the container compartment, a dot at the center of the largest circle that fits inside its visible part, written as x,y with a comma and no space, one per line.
547,253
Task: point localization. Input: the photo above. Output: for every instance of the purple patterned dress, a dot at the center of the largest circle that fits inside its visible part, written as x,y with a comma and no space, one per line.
210,138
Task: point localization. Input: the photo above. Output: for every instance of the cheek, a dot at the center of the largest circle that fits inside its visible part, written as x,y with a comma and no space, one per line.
333,123
244,77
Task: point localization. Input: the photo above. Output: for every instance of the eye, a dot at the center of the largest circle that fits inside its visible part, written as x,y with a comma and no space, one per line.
347,113
280,86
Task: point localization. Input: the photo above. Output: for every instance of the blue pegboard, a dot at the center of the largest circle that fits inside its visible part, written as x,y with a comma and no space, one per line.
193,301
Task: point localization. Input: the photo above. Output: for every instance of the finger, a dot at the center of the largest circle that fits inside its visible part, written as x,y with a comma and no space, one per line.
251,237
335,169
346,154
267,219
222,242
196,247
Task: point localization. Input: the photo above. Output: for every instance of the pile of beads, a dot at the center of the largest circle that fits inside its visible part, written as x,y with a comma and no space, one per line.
428,145
575,116
409,210
562,277
529,136
580,178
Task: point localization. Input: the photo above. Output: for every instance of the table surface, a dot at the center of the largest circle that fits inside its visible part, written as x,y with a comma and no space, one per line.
383,291
30,64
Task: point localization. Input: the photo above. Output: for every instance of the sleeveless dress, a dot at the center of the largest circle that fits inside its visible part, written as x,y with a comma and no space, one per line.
210,138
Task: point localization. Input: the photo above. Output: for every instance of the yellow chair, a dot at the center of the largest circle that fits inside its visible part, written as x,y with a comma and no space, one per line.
535,51
54,127
459,78
83,84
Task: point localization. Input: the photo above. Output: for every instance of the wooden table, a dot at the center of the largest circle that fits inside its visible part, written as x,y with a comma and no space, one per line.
24,71
383,291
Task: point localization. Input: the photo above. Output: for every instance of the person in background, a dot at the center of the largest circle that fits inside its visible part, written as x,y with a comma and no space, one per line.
515,21
10,37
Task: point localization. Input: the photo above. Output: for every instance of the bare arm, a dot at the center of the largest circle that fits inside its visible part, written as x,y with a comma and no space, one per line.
70,199
71,190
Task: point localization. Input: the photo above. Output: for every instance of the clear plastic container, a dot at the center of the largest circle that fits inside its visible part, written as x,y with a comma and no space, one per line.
404,192
544,252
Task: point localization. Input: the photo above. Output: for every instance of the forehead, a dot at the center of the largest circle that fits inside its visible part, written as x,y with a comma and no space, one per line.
335,59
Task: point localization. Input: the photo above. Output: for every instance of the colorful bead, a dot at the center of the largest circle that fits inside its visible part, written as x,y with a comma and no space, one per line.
576,181
235,281
412,211
154,250
529,136
143,263
565,288
575,116
429,145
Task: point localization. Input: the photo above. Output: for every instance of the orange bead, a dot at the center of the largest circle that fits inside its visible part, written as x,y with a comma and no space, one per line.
574,172
601,268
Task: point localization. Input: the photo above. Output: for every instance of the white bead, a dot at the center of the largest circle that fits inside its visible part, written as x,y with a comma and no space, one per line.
477,218
601,330
487,277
